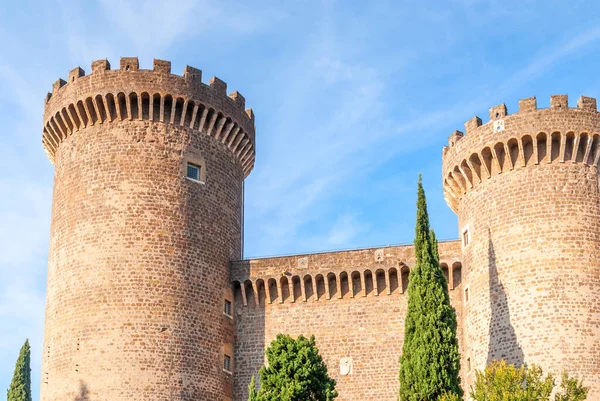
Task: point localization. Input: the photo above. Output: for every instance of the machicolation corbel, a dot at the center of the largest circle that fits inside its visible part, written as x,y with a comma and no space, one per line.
177,100
532,136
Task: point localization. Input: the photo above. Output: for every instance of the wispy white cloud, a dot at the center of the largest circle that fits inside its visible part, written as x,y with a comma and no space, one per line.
18,89
545,58
345,228
155,25
353,135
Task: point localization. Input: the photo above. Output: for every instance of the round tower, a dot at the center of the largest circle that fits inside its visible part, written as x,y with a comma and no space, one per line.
526,192
146,216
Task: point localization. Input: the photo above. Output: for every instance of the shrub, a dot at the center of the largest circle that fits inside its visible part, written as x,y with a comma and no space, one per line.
501,381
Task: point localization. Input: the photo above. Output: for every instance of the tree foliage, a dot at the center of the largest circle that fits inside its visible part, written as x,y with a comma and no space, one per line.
571,389
501,381
295,372
450,397
252,393
20,387
430,362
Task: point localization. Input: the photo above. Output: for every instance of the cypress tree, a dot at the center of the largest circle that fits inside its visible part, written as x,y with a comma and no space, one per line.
252,393
20,387
430,362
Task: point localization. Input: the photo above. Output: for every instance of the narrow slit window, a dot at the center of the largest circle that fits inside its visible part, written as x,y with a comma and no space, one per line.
227,363
467,294
465,237
468,364
193,172
227,308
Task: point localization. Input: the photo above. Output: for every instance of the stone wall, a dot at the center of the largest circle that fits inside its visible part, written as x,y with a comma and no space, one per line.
139,254
357,319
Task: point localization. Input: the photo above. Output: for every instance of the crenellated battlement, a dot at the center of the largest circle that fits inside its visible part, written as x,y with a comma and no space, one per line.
156,95
334,275
531,136
558,103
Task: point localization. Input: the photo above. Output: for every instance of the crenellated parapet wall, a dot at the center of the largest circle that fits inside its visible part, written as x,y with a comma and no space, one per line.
156,95
323,277
558,134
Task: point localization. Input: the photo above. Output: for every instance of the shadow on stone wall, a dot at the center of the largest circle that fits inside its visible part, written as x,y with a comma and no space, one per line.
249,346
503,339
83,392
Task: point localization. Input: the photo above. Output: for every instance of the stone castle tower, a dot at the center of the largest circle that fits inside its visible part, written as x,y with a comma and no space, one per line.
525,189
148,297
146,215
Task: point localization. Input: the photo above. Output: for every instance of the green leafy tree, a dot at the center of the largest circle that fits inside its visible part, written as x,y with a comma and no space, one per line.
572,389
430,362
295,372
20,387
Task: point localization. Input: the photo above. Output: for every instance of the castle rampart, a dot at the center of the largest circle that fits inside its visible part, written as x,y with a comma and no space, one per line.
354,302
259,281
525,189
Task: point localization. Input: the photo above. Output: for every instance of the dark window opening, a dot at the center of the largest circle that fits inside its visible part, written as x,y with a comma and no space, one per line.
227,363
193,172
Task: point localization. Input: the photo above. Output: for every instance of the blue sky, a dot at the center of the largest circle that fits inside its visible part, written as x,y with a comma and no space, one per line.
352,100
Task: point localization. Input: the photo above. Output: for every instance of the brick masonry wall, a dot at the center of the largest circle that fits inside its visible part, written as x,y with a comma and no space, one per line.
533,262
368,329
139,256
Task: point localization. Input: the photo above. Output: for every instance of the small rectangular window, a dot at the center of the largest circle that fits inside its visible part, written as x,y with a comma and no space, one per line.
467,294
193,172
227,308
466,238
227,363
468,364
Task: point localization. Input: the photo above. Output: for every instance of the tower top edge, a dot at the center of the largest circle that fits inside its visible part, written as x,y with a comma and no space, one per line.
129,77
529,117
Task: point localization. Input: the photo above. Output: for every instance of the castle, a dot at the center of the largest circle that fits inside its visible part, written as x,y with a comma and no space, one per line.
148,298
